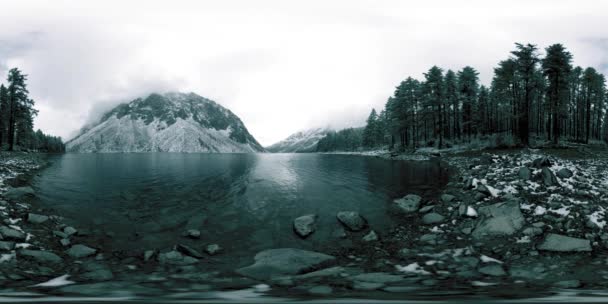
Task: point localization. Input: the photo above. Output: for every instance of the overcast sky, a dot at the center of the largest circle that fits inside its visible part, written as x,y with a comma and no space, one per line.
281,66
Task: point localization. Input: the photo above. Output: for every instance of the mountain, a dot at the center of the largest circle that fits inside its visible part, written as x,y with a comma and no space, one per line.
304,141
171,122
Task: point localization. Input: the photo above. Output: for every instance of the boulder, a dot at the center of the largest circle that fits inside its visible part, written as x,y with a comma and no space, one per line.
548,177
19,193
192,233
285,261
176,258
189,251
524,173
562,243
213,249
12,234
564,173
499,220
7,246
69,230
304,225
370,237
148,254
40,256
36,218
432,218
377,277
408,204
352,220
493,269
541,162
447,198
80,251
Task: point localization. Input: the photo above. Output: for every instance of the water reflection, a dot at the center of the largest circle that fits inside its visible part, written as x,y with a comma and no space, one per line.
244,202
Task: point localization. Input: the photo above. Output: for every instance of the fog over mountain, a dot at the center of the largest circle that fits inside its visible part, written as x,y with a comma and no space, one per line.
295,64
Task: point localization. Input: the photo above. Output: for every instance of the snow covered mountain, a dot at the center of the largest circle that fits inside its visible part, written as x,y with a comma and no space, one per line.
171,122
304,141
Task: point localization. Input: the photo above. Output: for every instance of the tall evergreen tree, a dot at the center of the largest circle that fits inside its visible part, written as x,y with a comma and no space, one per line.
526,59
468,87
557,67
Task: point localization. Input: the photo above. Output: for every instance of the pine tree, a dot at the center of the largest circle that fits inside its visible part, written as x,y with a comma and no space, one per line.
556,67
468,87
526,59
20,106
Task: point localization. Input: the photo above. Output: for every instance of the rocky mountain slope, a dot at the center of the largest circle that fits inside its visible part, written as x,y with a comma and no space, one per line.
171,122
304,141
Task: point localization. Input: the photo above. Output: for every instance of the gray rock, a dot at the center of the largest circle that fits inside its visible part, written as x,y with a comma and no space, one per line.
175,258
494,270
60,234
483,189
193,233
98,275
12,234
562,243
366,286
321,290
564,173
568,284
541,162
213,249
499,220
370,237
548,177
524,173
352,220
408,204
37,218
149,254
432,218
189,251
40,256
426,209
285,261
532,231
447,198
305,225
80,251
20,193
429,238
65,242
69,230
377,277
7,246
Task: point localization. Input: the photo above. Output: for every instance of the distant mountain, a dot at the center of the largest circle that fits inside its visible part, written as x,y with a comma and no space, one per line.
304,141
171,122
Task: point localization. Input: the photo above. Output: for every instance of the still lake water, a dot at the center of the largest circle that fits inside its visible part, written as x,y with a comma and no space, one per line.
243,202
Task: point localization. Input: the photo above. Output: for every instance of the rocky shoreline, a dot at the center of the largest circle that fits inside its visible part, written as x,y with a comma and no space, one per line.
519,219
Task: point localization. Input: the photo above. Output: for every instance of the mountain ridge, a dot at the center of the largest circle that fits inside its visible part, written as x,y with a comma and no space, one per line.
169,122
299,142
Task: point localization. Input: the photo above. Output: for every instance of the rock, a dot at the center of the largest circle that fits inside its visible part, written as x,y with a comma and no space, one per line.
19,193
193,233
36,218
339,233
176,258
426,209
366,286
65,242
98,275
69,230
285,261
533,231
370,237
408,204
305,225
80,251
564,173
568,284
352,220
213,249
149,254
432,218
483,189
524,173
541,162
321,290
60,234
493,269
7,246
189,251
378,277
480,196
548,177
12,234
499,220
562,243
429,238
447,198
40,256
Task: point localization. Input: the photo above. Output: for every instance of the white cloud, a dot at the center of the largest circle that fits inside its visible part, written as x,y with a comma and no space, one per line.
280,65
